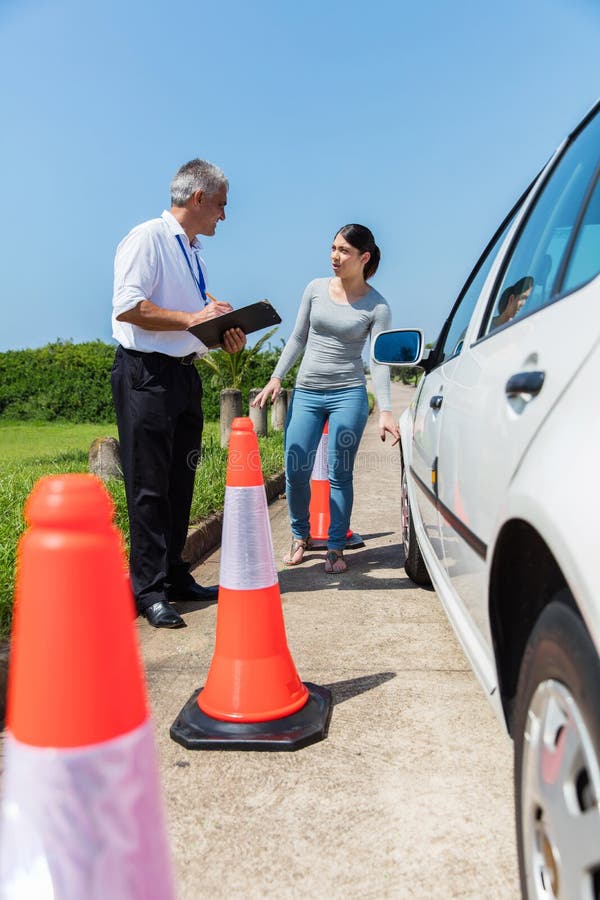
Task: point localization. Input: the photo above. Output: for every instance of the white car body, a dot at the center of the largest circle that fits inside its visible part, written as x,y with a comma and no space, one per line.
500,500
550,487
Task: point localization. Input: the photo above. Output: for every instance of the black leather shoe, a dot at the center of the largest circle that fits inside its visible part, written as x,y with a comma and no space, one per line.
161,615
194,592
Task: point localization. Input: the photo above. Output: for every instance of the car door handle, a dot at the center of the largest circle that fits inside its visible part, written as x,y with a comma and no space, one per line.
529,383
436,401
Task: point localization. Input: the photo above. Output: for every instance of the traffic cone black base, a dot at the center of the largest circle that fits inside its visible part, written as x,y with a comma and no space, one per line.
353,541
194,730
317,545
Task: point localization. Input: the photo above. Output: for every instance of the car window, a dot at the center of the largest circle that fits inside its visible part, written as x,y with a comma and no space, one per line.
529,281
455,335
584,263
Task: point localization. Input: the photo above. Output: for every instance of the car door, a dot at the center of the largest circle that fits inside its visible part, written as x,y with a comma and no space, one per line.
508,379
429,404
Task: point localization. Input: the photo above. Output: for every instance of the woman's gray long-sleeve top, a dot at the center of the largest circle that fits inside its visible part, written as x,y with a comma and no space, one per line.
333,337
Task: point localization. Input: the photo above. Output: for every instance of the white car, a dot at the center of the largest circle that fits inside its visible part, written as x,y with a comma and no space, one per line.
501,501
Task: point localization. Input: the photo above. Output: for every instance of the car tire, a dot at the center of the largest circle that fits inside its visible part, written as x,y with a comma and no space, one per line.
414,564
557,758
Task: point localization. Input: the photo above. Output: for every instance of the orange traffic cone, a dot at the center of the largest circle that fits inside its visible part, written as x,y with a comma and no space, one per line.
81,812
253,697
320,495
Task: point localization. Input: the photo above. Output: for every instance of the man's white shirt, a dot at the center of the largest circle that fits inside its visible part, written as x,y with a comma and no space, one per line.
150,265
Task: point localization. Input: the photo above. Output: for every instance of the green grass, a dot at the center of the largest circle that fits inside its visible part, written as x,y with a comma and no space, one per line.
39,440
29,451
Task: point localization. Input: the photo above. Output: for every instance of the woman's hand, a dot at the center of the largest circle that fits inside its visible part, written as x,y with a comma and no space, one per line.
388,424
270,391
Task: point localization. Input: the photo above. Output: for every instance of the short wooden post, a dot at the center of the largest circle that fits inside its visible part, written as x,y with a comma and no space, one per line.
231,408
104,458
258,416
279,412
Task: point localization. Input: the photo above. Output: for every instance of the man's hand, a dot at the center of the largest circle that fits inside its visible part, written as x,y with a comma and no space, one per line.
211,311
234,340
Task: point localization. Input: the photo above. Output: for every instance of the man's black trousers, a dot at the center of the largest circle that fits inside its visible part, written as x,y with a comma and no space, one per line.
158,401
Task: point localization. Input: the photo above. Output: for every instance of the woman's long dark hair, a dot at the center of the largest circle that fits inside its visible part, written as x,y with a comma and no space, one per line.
361,238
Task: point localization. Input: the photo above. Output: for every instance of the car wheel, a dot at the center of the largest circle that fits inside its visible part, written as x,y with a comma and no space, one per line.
557,759
414,564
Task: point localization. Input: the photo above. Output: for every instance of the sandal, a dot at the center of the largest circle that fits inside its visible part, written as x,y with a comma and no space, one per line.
298,546
335,563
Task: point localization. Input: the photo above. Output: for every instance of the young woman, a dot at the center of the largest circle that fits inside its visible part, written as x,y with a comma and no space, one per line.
336,317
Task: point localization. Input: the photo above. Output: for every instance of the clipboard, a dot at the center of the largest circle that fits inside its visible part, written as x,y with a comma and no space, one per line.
249,318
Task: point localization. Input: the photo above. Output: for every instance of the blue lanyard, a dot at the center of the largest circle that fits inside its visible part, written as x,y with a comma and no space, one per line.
199,281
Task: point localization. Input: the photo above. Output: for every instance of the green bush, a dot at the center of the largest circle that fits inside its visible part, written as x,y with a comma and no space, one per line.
71,382
61,381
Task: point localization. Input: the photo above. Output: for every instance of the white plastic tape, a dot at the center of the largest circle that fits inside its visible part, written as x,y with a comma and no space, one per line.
84,823
247,560
320,470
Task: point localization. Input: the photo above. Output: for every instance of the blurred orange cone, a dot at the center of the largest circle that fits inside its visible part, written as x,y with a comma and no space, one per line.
253,697
81,812
318,510
320,495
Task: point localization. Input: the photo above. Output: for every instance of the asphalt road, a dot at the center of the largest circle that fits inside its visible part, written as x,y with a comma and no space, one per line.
410,795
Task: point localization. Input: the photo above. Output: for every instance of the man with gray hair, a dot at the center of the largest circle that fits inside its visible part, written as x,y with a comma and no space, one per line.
159,292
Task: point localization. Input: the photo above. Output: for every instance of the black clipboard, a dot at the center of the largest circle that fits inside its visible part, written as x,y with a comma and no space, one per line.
248,318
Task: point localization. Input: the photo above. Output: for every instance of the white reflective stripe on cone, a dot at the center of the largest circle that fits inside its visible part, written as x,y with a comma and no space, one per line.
247,560
320,470
85,822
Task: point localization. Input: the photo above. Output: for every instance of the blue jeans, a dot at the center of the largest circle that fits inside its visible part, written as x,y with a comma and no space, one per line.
347,410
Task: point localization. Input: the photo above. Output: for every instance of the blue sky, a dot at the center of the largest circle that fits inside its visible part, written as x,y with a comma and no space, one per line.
422,121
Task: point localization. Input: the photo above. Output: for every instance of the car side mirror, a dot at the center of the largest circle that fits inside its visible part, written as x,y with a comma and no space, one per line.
399,347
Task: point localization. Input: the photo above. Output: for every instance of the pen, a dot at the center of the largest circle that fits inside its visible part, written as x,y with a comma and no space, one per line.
210,297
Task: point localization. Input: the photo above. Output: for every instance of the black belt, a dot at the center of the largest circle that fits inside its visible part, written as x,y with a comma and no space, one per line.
182,360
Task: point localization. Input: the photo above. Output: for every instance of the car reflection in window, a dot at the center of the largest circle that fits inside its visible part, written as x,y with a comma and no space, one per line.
512,300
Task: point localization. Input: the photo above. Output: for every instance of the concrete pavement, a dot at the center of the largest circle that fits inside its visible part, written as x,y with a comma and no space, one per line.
410,796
